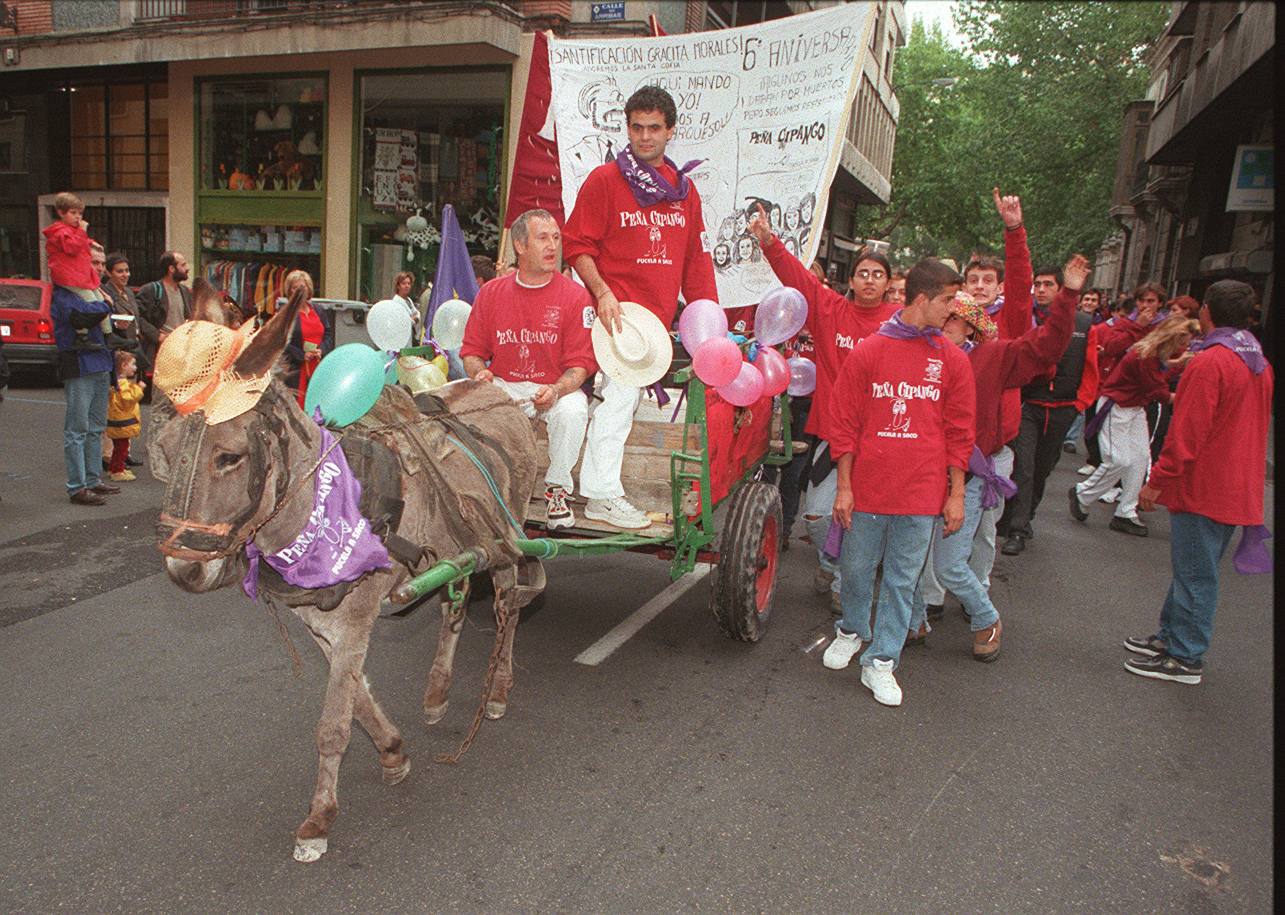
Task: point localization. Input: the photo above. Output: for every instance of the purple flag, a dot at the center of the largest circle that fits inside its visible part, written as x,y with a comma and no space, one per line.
454,278
336,544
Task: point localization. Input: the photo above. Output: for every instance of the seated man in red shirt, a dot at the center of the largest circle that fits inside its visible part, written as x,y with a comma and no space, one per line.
1211,475
532,326
636,234
901,426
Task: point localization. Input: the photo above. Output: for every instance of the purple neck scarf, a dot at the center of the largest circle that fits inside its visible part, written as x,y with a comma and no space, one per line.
1240,342
1253,557
995,486
648,184
336,543
898,329
993,308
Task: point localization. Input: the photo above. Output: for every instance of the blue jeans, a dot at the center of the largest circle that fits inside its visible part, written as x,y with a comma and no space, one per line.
901,543
817,511
1196,545
82,429
950,558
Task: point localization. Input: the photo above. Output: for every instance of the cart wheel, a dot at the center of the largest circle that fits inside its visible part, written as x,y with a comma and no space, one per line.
746,574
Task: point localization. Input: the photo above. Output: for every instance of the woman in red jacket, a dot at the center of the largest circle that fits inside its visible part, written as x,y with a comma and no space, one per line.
1121,422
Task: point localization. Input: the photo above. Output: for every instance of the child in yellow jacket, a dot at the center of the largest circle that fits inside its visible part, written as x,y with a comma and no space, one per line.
123,419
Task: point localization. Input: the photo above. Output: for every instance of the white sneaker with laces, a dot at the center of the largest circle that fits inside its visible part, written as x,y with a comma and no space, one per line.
617,512
841,650
879,680
559,513
1086,470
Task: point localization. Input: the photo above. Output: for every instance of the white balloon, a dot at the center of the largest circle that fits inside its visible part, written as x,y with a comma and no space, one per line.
449,321
389,325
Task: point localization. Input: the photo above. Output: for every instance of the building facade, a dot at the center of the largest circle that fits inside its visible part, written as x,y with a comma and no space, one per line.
1194,181
257,136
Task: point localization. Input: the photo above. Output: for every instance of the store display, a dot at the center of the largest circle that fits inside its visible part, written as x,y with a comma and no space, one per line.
262,135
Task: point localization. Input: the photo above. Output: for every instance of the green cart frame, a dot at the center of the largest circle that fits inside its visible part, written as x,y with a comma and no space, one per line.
744,554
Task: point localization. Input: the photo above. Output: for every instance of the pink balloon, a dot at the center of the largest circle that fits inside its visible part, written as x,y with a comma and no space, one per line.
699,321
745,389
780,315
717,361
803,376
775,370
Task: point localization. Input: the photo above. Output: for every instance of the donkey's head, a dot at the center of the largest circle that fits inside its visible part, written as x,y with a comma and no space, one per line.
227,479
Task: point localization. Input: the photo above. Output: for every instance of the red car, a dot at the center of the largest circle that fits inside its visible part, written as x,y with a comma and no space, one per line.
25,324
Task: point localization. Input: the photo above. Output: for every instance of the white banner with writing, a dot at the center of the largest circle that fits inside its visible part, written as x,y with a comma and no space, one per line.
765,106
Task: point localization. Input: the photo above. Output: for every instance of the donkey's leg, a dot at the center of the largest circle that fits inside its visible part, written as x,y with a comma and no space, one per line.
348,635
437,694
508,606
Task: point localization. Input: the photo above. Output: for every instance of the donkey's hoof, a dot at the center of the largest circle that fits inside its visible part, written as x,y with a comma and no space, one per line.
393,775
496,710
435,714
309,850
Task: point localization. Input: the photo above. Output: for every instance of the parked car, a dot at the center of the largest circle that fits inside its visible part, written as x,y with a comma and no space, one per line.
26,324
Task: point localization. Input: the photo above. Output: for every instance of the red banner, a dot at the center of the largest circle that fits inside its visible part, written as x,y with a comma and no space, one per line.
537,177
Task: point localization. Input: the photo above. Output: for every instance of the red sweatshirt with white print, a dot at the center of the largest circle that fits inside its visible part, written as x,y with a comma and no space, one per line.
531,333
906,410
644,254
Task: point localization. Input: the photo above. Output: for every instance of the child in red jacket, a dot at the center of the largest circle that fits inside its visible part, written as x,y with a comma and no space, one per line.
67,247
901,428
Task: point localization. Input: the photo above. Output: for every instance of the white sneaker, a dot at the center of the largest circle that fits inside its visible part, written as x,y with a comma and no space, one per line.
841,650
559,513
1110,498
879,680
617,512
1086,470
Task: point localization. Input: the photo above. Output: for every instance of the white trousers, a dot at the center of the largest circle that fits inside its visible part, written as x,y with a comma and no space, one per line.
1126,459
566,419
608,429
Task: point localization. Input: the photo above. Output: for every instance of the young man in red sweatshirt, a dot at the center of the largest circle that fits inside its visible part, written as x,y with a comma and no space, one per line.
1210,476
901,428
636,234
998,366
836,324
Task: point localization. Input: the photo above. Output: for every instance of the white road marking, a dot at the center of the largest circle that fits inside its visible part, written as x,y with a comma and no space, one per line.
602,649
56,403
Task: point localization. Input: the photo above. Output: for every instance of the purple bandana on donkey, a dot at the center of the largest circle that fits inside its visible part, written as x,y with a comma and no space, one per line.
336,543
649,185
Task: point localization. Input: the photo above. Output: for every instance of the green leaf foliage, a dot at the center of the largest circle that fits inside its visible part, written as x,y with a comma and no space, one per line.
1036,108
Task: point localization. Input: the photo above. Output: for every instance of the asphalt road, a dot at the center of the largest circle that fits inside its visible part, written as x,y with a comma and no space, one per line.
156,750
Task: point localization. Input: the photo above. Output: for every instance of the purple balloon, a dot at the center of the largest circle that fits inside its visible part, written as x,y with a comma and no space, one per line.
717,361
745,389
780,315
776,371
700,320
803,376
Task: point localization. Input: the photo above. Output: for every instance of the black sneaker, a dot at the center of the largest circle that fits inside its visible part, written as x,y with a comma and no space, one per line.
1128,526
1068,447
1013,545
1166,667
1148,646
936,611
133,462
1077,510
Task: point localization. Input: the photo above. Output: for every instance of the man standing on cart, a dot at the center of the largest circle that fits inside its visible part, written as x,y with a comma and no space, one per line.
636,234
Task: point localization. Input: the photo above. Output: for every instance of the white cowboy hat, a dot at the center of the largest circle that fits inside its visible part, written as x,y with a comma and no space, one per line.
639,353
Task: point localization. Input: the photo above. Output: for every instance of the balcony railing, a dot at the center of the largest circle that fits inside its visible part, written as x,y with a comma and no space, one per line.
872,129
153,10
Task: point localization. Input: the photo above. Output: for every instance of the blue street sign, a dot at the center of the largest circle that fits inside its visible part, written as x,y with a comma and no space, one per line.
607,12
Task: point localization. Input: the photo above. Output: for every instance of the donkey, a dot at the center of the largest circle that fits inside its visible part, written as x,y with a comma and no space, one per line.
250,477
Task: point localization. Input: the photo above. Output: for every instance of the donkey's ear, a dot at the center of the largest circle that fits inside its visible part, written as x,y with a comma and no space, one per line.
270,342
207,302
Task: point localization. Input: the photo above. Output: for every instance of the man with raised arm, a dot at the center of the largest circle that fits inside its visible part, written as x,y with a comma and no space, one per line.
636,234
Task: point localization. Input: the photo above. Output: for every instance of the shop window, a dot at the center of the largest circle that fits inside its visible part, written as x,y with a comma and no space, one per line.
263,134
427,139
119,136
17,242
13,142
250,262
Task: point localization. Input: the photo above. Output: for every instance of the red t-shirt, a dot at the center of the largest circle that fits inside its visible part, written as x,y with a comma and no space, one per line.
905,409
645,254
835,323
1215,456
531,334
68,252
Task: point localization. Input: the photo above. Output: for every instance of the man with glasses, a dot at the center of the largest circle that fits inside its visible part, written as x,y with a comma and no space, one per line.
836,324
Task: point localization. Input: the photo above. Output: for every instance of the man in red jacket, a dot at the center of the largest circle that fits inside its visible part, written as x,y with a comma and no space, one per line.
636,234
901,427
1210,476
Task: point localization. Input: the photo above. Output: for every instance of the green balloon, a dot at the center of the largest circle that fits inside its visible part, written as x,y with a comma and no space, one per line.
346,384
